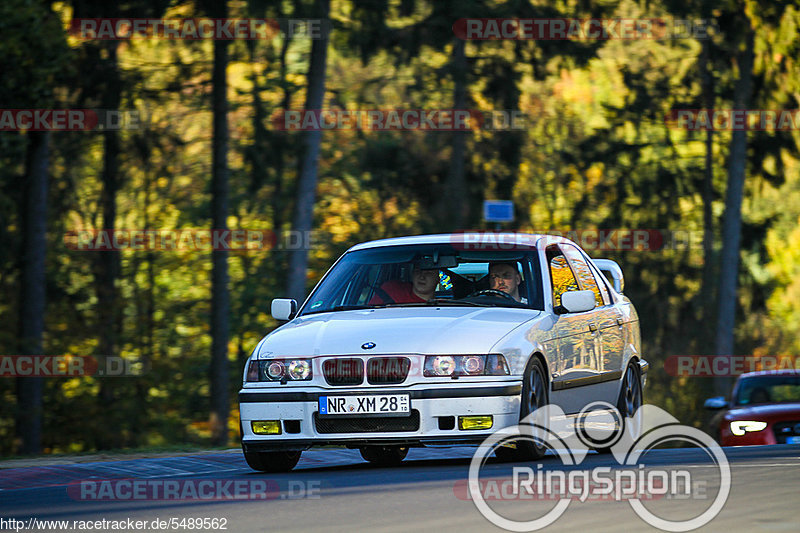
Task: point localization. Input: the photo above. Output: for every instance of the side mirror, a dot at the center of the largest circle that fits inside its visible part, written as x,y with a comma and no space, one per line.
718,402
283,308
612,269
578,301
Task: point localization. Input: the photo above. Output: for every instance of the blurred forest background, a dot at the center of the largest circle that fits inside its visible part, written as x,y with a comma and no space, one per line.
596,153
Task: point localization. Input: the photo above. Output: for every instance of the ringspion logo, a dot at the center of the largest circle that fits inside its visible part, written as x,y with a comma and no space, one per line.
629,439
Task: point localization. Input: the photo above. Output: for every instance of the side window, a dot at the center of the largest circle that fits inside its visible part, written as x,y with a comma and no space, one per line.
585,275
561,275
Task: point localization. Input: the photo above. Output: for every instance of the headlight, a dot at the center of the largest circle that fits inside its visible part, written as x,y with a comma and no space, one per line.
274,369
441,365
299,369
279,369
465,365
740,427
473,364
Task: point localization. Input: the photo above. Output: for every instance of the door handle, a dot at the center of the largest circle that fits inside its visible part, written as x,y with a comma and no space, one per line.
620,322
593,327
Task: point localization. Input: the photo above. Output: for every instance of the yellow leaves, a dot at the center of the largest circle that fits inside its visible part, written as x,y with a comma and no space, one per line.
594,174
390,208
339,221
524,169
573,87
154,392
562,278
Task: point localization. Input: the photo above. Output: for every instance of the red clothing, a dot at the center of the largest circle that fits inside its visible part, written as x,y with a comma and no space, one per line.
401,292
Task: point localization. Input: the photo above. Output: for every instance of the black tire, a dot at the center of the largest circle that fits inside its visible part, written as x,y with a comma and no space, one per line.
534,395
272,461
630,396
384,455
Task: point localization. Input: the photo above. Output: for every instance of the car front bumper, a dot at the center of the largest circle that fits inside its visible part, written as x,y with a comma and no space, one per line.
433,411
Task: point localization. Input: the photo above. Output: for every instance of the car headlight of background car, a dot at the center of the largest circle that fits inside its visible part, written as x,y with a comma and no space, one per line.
740,427
279,370
465,365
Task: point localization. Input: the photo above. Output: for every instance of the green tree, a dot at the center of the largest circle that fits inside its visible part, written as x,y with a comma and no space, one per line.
32,55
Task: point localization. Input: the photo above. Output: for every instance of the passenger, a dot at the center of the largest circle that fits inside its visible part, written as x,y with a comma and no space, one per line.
505,277
421,289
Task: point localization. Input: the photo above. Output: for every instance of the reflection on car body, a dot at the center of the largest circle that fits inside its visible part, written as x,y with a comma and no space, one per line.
446,367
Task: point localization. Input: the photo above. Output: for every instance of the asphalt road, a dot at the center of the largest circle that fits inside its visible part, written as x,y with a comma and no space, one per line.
334,490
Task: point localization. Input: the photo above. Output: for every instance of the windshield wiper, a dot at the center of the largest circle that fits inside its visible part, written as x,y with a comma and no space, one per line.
450,301
434,301
339,308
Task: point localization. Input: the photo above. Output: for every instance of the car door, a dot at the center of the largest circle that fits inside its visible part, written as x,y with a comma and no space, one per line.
575,339
608,320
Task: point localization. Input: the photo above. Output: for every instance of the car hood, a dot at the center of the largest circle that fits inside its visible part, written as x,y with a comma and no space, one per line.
423,330
778,411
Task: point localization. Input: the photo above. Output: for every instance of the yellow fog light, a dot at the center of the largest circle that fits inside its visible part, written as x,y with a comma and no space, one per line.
266,427
475,422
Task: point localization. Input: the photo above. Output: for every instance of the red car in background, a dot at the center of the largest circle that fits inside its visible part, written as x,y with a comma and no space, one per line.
764,409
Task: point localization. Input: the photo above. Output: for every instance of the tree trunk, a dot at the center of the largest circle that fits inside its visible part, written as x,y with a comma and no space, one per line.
108,262
732,223
454,200
220,302
307,182
281,145
32,301
707,289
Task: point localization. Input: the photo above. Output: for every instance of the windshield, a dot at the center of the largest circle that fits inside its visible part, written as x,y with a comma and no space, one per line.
422,275
768,389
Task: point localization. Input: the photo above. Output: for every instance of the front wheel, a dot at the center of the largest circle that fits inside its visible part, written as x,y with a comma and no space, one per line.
384,455
272,461
534,396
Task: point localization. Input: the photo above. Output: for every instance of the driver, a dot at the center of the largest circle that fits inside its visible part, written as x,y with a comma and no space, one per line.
421,289
505,277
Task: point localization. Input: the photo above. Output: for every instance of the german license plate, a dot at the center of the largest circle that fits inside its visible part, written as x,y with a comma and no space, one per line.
792,440
372,404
